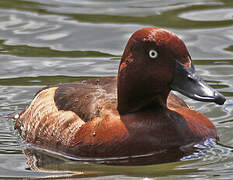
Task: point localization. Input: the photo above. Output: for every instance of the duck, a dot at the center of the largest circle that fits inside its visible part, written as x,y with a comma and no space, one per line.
133,114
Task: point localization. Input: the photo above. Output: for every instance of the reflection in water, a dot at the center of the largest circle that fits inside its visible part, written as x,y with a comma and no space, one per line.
46,162
40,160
147,159
48,42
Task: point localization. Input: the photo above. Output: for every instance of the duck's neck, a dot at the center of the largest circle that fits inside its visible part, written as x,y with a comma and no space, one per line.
136,94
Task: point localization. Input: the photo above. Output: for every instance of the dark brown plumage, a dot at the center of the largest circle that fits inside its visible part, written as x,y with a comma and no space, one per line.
133,114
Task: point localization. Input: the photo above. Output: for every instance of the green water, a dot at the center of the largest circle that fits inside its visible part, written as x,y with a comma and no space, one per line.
48,42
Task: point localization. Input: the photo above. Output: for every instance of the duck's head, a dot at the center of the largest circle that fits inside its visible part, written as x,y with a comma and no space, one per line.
154,62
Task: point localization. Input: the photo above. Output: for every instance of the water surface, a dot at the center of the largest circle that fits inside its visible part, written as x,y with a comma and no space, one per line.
47,42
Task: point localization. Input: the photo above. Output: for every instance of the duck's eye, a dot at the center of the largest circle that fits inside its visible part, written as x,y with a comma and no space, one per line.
153,53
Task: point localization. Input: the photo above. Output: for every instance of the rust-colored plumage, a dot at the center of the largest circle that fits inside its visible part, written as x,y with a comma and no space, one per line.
133,114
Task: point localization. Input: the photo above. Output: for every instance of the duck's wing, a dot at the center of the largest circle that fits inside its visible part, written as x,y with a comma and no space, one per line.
57,112
87,98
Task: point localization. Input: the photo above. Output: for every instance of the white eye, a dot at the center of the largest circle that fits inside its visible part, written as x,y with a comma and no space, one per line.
153,53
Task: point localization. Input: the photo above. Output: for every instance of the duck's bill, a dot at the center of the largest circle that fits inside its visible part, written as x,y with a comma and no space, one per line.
190,84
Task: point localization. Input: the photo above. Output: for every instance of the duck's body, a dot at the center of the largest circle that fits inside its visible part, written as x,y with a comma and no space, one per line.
116,116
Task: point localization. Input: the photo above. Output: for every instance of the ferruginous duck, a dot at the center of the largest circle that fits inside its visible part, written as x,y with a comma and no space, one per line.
131,115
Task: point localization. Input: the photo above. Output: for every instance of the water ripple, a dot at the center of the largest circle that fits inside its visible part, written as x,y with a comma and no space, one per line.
209,15
46,42
53,36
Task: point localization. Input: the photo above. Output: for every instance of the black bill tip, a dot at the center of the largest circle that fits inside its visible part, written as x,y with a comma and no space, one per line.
219,98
